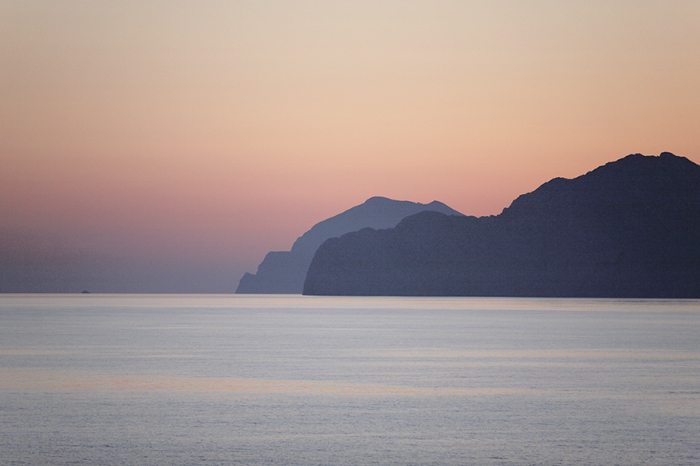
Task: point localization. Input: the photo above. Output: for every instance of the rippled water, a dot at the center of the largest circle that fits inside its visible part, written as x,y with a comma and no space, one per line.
187,380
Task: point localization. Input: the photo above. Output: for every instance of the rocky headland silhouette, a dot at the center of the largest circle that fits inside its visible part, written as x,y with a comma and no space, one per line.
285,271
628,229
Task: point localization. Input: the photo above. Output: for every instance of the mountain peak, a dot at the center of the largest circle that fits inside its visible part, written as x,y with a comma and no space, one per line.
378,200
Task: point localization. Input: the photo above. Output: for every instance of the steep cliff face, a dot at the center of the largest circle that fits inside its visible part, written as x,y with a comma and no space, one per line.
630,228
285,271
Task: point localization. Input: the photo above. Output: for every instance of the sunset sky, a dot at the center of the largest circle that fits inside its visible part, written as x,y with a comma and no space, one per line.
166,146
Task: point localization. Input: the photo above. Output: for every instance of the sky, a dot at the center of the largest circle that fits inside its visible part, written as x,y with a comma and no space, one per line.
167,146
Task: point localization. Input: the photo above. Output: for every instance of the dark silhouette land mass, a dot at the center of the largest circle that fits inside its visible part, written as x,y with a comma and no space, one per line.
628,229
285,271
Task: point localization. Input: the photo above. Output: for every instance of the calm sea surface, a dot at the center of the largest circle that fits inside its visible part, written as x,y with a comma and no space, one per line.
292,380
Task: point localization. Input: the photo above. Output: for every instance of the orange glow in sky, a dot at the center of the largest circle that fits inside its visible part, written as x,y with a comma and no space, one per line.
194,137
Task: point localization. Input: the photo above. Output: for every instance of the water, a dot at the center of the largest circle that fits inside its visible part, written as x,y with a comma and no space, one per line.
291,380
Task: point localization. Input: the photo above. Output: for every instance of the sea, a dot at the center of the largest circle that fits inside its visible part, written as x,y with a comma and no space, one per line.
299,380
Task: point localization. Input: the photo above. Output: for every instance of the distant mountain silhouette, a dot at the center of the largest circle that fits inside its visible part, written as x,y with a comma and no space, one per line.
628,229
285,271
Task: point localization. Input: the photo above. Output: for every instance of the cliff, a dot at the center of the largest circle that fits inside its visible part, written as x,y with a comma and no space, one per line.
628,229
285,271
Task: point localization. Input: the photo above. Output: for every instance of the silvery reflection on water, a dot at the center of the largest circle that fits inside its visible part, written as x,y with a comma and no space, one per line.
170,379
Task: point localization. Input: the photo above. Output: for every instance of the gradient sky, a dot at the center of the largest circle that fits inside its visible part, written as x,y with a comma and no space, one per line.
167,146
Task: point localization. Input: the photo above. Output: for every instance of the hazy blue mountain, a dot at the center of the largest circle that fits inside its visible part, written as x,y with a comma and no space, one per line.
630,228
285,271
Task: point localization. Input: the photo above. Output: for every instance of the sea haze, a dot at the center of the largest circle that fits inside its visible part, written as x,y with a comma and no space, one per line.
296,380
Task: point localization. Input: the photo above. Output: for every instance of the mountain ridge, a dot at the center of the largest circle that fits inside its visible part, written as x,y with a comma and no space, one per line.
630,228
